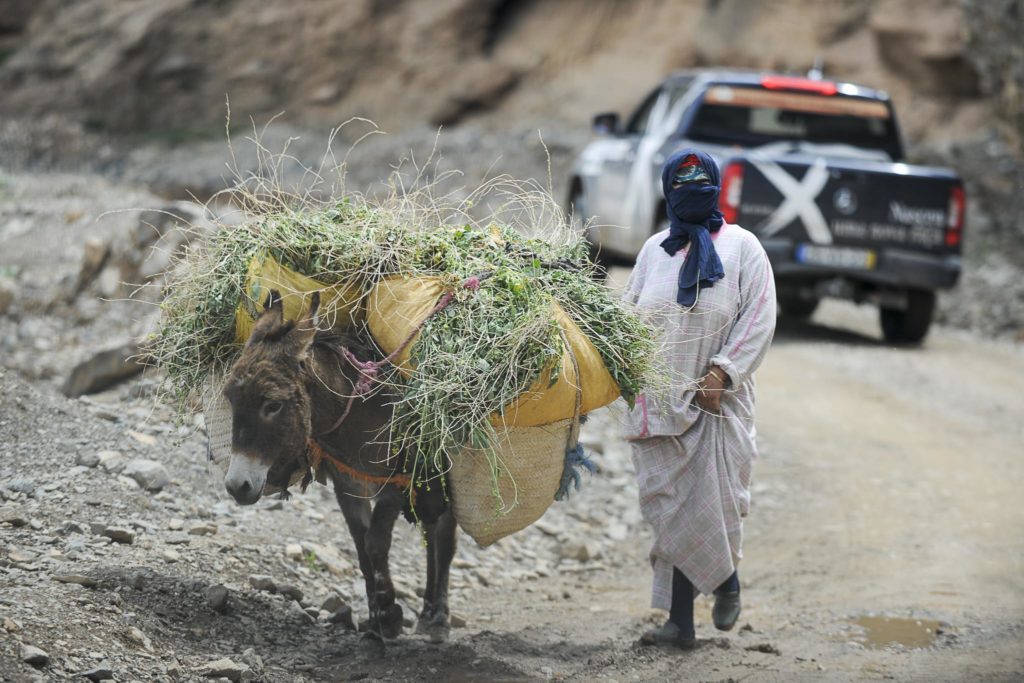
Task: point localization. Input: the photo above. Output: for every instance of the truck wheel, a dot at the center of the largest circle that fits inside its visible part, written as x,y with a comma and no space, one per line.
797,308
911,325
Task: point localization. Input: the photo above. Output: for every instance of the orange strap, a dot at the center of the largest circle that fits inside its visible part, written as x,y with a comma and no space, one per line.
318,454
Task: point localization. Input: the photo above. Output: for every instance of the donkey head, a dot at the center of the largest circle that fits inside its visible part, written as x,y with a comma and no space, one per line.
270,403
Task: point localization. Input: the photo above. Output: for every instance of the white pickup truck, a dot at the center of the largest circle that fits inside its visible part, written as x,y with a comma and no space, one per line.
814,168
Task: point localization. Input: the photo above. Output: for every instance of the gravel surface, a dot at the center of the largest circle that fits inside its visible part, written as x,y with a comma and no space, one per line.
884,540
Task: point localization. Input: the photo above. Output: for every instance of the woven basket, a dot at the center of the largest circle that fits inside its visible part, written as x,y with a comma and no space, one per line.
530,462
217,414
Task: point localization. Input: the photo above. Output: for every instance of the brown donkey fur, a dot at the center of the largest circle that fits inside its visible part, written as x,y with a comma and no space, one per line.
290,385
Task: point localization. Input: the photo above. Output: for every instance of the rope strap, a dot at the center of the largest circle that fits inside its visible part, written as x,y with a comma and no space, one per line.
318,454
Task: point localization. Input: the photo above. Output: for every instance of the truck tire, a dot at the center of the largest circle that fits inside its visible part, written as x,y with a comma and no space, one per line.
798,308
911,325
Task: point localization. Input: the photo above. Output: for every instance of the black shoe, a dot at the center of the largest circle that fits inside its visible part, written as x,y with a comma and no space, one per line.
726,610
669,635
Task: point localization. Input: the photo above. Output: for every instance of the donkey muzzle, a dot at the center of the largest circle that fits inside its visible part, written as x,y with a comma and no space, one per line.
245,479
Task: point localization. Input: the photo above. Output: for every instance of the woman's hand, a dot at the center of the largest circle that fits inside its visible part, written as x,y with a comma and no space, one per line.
709,395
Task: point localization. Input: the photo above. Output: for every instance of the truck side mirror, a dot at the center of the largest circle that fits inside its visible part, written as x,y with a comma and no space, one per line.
606,123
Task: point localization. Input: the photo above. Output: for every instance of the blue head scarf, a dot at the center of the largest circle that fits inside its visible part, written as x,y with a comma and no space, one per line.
693,214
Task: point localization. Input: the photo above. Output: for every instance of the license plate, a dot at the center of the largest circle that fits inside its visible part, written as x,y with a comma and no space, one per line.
837,257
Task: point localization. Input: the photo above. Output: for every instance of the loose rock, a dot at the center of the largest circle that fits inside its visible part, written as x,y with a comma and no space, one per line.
80,579
112,462
261,582
290,591
343,616
149,474
223,668
203,530
293,551
34,656
87,459
217,598
119,534
103,672
332,603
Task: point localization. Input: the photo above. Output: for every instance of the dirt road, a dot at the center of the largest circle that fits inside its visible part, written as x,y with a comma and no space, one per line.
885,539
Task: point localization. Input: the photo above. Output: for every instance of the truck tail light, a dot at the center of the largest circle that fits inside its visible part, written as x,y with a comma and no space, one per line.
955,222
732,190
802,84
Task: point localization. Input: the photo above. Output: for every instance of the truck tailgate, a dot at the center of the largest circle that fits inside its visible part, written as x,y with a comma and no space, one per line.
824,205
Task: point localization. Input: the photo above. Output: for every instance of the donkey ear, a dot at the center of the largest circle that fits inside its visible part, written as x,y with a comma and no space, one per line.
270,319
305,328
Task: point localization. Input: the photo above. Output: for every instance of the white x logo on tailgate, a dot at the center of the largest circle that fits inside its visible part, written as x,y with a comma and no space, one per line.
798,199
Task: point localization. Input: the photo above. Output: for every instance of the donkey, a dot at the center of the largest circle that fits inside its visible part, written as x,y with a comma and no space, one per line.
294,401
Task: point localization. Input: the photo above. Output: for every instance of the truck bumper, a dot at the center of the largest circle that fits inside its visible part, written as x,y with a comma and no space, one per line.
895,268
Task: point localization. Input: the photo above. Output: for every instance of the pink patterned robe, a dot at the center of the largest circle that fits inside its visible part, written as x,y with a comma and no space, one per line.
693,468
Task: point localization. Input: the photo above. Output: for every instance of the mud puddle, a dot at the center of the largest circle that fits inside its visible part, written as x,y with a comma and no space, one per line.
883,632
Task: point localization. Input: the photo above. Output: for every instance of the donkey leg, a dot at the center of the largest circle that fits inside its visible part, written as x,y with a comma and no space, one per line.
385,613
356,510
430,589
442,543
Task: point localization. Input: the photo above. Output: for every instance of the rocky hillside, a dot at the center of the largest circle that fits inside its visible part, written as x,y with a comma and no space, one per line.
138,89
168,65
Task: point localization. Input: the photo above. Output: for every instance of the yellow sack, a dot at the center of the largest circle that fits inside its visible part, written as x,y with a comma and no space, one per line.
541,404
339,304
396,306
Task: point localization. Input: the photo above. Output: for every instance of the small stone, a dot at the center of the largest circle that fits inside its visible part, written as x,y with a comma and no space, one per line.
202,530
15,519
293,551
22,485
261,582
80,579
149,474
140,638
34,656
580,551
547,672
343,616
119,534
546,528
177,539
87,459
10,625
457,621
332,603
144,439
176,524
290,591
223,668
103,672
217,598
21,556
174,670
112,462
171,555
313,612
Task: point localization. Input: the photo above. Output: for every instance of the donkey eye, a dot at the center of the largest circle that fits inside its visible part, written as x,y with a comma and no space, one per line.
271,408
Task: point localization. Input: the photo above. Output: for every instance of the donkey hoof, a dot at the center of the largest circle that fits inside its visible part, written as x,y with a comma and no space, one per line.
389,620
438,633
371,646
434,625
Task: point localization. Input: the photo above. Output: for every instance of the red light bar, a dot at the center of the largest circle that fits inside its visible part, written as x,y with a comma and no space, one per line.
794,83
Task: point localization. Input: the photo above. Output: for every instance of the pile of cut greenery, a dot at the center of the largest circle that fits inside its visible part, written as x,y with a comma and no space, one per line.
471,359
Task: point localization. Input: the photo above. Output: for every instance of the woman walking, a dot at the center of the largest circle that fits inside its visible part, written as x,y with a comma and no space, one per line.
708,287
